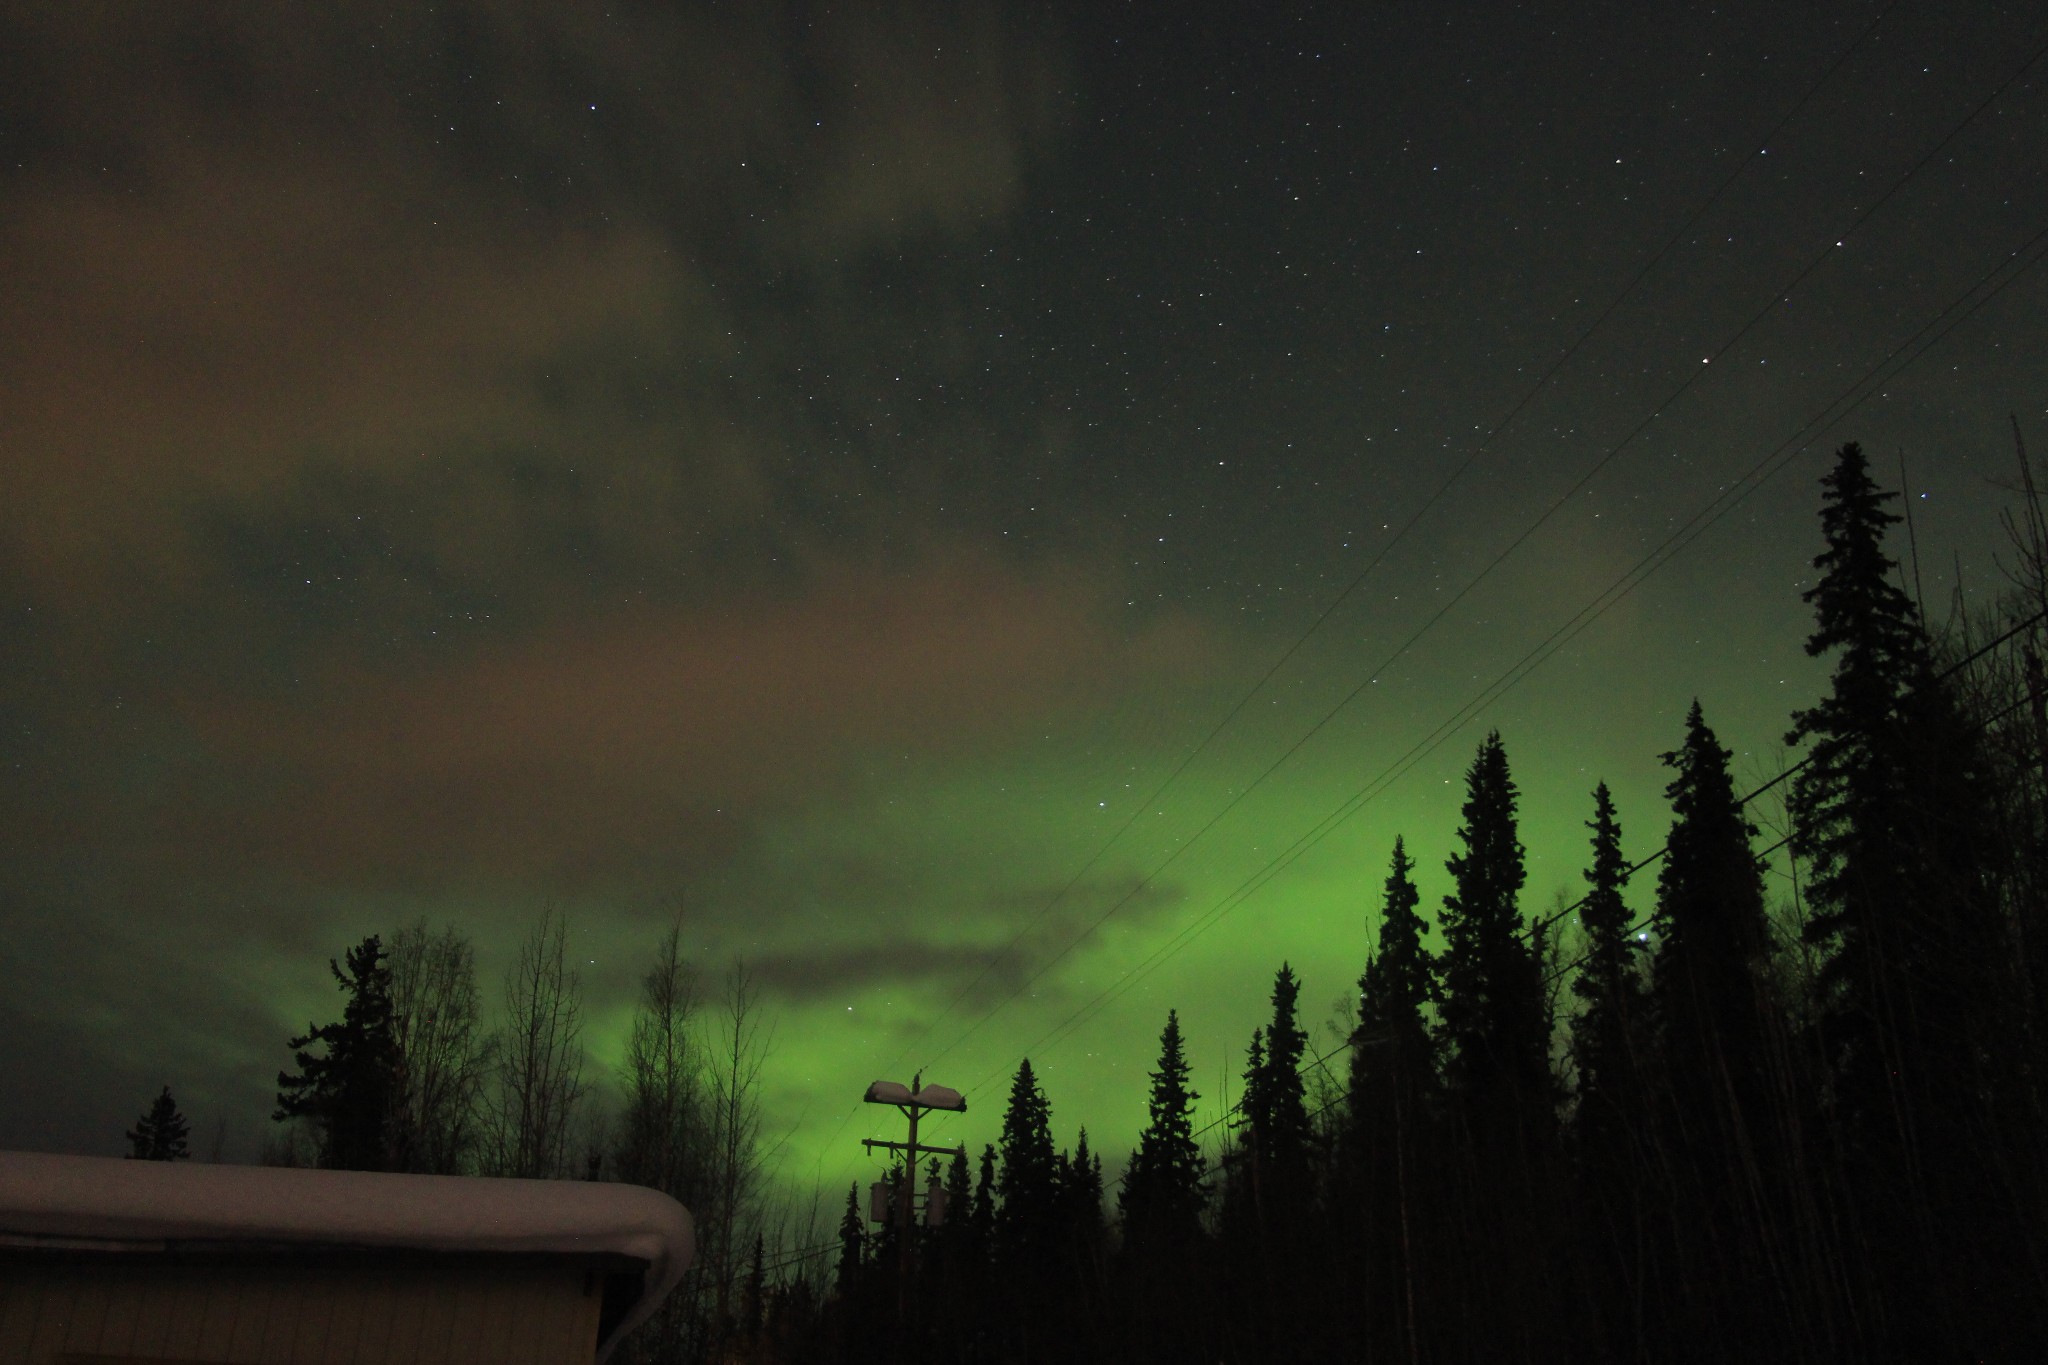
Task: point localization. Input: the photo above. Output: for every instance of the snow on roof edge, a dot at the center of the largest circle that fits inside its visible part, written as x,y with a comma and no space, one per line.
102,1199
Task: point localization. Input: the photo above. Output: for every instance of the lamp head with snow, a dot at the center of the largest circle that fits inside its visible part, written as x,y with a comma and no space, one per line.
925,1097
887,1092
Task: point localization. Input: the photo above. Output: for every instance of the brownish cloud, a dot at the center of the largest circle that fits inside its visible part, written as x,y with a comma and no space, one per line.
217,335
244,245
648,740
325,328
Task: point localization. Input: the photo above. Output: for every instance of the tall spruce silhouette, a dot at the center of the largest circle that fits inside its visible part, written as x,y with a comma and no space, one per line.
1607,1031
159,1135
350,1090
1266,1227
1500,1099
952,1275
1707,981
1382,1186
1242,1214
853,1243
1028,1217
1393,1055
1275,1105
1494,1016
1165,1186
957,1232
983,1217
1891,817
1080,1200
1614,1064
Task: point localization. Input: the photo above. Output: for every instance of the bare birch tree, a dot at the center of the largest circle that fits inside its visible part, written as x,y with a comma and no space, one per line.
442,1052
664,1131
538,1066
733,1207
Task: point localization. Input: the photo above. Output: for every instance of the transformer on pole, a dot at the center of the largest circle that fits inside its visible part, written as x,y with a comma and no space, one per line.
895,1206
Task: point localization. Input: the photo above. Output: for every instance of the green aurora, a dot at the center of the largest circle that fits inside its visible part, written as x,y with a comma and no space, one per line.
822,481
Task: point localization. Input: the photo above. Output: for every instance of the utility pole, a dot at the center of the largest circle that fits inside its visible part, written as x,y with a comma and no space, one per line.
915,1099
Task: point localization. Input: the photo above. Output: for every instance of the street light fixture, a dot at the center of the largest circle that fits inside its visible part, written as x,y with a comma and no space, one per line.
924,1097
914,1099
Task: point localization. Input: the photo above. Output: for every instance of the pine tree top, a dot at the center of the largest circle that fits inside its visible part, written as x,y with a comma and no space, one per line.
1029,1158
159,1135
1489,873
1164,1186
1494,1015
1861,614
1605,915
1399,982
1171,1103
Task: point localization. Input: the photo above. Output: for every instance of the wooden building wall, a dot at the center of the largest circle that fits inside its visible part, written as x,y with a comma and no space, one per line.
80,1311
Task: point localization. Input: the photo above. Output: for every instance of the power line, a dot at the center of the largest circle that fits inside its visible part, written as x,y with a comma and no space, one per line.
1558,972
1501,557
785,1259
1400,534
1647,920
1929,335
1301,1070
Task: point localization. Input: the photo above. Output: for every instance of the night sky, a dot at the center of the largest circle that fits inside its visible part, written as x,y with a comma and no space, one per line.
825,467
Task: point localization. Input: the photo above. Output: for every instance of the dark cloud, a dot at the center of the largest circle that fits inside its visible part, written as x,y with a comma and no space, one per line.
1035,923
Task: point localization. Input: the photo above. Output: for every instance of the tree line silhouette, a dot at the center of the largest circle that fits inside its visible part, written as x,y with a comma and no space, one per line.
1807,1130
409,1080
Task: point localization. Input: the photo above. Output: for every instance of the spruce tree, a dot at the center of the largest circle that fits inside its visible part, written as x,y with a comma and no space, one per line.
159,1135
952,1277
1242,1212
1893,819
1393,1056
1280,1128
1268,1187
853,1238
1714,1197
1080,1186
959,1222
1493,1011
1609,985
350,1093
1890,816
1388,1125
1027,1222
984,1215
1164,1187
1499,1094
1714,941
1257,1104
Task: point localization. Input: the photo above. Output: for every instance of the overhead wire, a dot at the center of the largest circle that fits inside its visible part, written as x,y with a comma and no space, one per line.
1401,533
1731,496
1558,972
1560,501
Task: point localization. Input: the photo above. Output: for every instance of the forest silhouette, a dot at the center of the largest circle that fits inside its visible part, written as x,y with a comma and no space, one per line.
1801,1130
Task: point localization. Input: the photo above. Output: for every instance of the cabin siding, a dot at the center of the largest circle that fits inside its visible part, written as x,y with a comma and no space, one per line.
73,1311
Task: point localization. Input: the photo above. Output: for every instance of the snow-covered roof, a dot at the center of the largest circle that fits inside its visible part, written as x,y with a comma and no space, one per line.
86,1202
